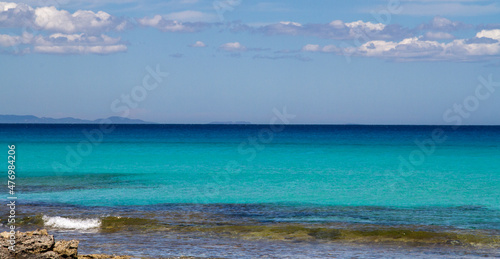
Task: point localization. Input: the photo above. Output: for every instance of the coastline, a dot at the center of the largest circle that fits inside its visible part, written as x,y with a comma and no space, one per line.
234,231
414,244
40,244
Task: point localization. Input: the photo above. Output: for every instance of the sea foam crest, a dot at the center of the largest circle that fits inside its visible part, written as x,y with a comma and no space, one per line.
69,223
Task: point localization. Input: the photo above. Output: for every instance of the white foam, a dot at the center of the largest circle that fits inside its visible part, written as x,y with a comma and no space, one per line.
69,223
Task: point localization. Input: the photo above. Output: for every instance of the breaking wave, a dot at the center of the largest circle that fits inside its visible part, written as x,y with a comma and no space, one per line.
70,223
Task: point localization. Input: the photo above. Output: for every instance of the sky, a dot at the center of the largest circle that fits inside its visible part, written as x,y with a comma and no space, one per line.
194,61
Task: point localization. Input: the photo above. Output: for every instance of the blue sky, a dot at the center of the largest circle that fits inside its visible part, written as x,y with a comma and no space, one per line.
327,62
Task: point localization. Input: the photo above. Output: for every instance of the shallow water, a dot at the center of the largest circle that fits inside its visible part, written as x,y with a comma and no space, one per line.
260,231
174,245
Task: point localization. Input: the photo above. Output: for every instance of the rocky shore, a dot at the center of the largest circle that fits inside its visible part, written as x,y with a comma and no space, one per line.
39,244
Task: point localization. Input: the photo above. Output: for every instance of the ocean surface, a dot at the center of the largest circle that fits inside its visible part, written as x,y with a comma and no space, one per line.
251,191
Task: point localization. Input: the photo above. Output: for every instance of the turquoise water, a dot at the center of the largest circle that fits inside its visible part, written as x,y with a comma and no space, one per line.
328,165
257,174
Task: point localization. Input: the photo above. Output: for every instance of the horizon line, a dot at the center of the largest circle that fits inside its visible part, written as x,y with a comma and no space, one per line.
254,124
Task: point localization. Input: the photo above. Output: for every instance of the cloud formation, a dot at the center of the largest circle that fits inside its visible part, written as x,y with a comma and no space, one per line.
60,43
49,18
485,45
14,40
198,44
57,31
164,24
439,23
337,30
233,47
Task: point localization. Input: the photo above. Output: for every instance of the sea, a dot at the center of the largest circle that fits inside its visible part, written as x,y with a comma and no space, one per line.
258,191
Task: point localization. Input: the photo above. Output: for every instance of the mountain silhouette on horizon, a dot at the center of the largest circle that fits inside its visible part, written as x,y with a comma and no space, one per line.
68,120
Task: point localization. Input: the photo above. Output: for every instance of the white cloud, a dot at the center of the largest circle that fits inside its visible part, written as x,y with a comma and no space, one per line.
52,19
185,21
292,23
60,43
14,40
164,24
233,47
49,18
439,23
492,34
418,49
198,44
363,25
6,6
311,48
442,23
318,48
153,22
330,48
72,33
8,40
484,46
337,24
336,29
15,15
288,28
407,48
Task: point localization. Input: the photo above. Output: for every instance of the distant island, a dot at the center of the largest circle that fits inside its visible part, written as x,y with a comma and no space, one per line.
31,119
4,119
